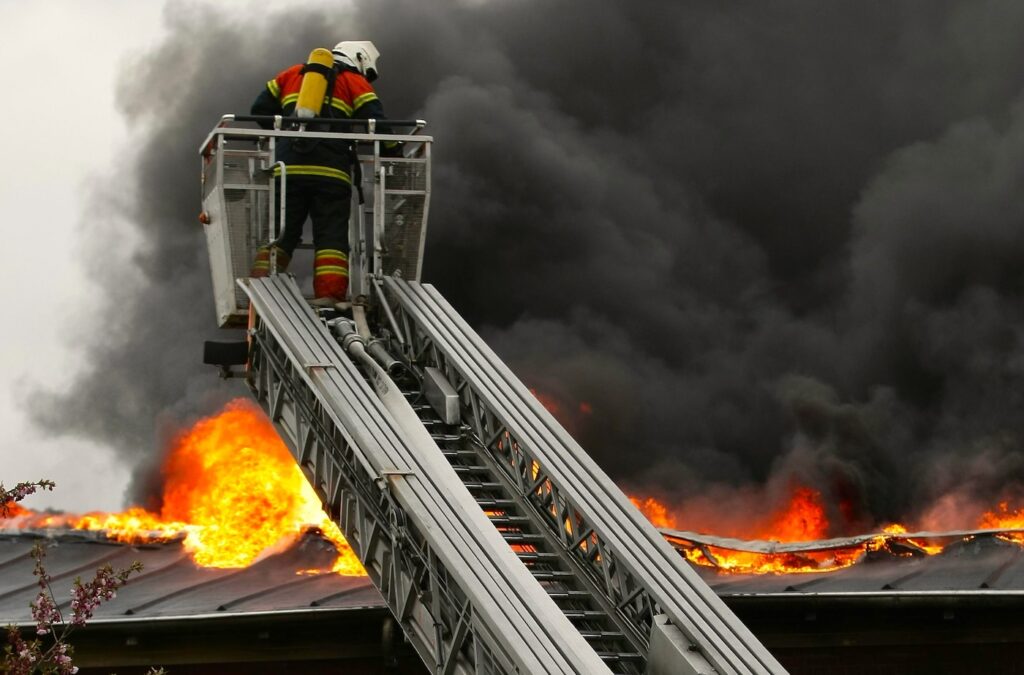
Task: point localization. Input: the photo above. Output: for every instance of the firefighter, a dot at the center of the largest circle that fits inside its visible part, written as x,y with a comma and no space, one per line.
319,171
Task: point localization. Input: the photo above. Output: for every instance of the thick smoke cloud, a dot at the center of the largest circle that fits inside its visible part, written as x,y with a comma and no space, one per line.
741,246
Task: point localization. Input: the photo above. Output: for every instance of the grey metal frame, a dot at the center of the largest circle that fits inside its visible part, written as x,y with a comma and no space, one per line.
636,572
259,225
464,600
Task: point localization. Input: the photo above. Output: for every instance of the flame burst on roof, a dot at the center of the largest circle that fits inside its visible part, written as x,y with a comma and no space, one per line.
173,585
231,492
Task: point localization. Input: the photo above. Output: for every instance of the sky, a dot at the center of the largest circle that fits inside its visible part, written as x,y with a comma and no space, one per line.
741,246
58,153
65,156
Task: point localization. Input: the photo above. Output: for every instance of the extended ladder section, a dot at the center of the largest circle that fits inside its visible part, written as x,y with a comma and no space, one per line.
465,601
498,544
611,571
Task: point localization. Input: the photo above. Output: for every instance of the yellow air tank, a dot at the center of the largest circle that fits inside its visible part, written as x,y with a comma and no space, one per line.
314,83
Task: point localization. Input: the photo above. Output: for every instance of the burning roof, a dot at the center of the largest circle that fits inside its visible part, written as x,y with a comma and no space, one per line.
892,555
232,496
173,585
231,492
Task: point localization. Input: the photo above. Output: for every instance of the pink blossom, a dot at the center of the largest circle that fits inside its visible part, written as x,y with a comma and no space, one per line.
24,658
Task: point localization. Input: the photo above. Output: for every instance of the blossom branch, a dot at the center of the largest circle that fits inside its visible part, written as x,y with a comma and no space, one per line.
13,495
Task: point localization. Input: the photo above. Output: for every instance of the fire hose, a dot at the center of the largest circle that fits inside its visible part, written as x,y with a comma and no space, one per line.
390,395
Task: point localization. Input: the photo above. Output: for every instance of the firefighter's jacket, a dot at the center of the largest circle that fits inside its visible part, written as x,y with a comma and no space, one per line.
351,97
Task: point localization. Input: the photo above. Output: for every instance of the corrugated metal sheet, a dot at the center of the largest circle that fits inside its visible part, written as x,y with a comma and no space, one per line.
982,564
172,586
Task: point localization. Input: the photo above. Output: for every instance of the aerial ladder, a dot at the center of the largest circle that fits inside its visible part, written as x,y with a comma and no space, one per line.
498,544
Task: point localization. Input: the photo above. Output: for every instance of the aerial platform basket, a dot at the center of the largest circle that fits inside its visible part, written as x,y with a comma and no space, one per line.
243,204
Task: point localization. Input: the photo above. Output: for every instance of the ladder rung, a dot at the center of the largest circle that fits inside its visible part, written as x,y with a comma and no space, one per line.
620,656
509,520
459,453
583,614
602,634
536,556
551,575
569,595
522,537
483,486
496,504
470,468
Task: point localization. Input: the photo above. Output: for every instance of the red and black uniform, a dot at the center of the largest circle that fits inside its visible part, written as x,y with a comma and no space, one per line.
319,176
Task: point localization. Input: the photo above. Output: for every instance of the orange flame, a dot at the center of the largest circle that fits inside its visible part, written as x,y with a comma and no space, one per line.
12,509
233,490
1002,517
803,519
655,511
746,562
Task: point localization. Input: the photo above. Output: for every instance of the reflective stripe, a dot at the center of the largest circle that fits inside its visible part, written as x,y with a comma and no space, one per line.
274,88
342,106
363,99
290,98
308,170
331,252
330,269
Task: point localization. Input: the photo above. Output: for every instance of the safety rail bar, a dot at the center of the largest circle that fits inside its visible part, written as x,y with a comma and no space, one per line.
278,130
243,204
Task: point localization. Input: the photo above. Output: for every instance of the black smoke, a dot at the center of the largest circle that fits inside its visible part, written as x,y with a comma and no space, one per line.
744,245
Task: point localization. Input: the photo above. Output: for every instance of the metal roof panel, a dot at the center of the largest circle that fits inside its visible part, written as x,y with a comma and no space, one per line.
171,585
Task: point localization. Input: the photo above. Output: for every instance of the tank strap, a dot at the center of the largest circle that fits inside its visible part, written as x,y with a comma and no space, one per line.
317,68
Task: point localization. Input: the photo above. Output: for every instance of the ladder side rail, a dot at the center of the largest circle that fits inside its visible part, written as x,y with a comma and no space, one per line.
484,565
626,539
677,588
531,606
366,514
555,515
390,550
517,623
330,462
630,579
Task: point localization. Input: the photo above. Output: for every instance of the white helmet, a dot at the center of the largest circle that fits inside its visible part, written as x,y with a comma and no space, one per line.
360,54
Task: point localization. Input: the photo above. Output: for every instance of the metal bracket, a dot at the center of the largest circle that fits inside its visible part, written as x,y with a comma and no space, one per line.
385,474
